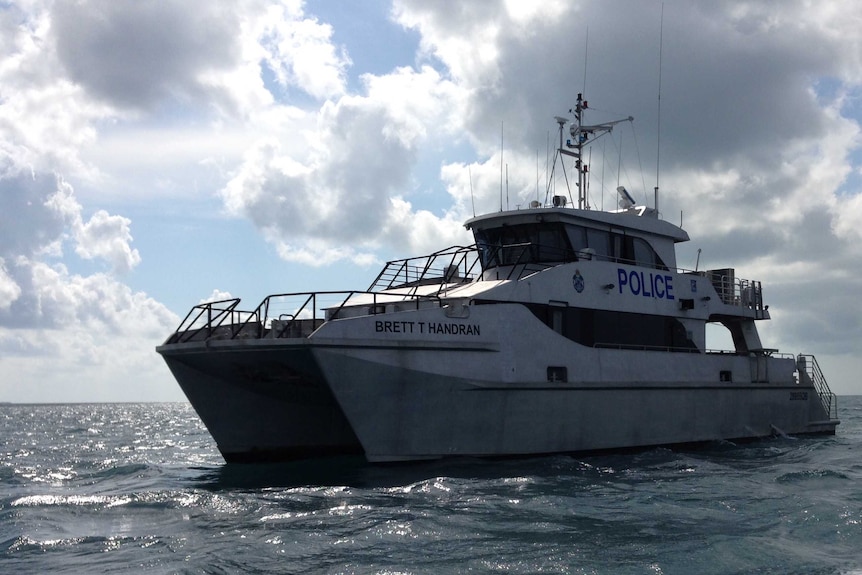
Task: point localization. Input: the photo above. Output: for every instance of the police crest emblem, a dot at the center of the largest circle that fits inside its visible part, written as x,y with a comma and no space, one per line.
578,281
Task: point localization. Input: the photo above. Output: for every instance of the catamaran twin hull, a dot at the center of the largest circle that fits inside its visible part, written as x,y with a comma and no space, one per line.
492,381
559,330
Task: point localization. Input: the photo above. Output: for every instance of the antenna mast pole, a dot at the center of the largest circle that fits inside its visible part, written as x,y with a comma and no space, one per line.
581,136
501,166
658,131
580,140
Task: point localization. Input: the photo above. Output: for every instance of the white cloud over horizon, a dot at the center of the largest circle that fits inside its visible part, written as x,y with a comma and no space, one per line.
129,131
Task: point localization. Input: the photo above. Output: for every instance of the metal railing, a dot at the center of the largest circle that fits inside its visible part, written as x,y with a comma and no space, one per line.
209,319
646,347
453,265
289,315
737,292
809,370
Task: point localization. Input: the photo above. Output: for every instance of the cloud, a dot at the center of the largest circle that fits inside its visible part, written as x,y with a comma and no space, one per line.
90,325
299,51
107,237
83,337
137,54
44,118
216,295
143,56
39,212
9,289
345,193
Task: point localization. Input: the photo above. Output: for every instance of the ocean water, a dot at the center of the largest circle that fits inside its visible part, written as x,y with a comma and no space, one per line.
140,488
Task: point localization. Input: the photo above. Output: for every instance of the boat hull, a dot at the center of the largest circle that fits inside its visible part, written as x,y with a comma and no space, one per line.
297,399
262,405
410,414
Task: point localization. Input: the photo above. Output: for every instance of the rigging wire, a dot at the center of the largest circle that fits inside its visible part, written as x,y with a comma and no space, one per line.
602,185
640,165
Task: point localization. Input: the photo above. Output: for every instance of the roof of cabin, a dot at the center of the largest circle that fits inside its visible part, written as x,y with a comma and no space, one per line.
634,219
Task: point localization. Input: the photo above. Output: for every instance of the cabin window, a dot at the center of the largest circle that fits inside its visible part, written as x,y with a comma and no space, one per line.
637,251
577,237
557,315
599,240
644,255
524,244
556,243
602,328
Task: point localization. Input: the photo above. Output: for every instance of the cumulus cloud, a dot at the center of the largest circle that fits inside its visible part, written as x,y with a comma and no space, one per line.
848,218
107,237
9,289
216,295
82,338
345,194
81,322
142,55
38,214
299,51
137,53
44,118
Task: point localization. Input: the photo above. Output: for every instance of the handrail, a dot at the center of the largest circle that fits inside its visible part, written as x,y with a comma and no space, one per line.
208,320
216,315
808,367
644,347
455,264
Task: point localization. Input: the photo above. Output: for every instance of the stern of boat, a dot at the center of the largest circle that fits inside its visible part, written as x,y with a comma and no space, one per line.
824,418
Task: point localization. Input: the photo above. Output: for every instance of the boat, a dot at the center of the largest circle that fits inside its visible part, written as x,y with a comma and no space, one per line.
561,329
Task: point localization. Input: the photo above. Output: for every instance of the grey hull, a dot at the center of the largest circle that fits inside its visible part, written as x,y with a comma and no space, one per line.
262,405
413,415
302,399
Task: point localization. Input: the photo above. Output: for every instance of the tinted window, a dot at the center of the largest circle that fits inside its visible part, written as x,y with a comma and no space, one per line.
522,244
599,241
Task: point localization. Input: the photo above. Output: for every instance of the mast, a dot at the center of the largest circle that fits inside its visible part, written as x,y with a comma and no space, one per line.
581,136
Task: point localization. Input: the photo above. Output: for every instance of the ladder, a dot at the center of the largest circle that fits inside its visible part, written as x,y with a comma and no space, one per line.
809,372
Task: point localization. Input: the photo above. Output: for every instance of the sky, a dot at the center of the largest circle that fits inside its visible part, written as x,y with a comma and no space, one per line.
154,155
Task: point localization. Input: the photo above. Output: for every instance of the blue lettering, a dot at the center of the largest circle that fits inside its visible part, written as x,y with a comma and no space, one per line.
646,284
659,293
634,278
657,286
622,279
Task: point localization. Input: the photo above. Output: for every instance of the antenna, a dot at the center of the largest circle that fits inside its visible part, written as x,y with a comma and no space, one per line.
547,161
501,166
658,130
582,135
604,145
507,186
586,48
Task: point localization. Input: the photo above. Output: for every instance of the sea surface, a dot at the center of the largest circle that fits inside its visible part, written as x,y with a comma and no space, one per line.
141,488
